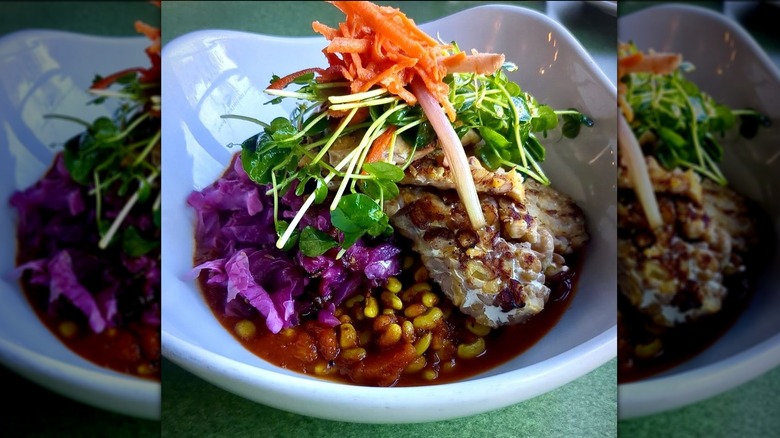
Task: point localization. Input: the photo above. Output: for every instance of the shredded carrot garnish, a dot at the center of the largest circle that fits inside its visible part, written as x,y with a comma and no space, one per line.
151,74
653,62
479,63
105,82
348,45
151,32
380,46
450,61
631,60
280,83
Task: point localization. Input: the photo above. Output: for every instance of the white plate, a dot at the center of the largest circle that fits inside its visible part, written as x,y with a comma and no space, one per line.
48,72
735,71
214,72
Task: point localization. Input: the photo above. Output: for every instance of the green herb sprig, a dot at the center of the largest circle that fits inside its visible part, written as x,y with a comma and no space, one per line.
509,121
687,123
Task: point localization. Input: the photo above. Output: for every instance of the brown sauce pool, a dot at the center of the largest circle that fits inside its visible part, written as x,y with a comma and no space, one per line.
132,349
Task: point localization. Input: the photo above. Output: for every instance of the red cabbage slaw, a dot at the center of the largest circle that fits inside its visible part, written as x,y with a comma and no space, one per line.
58,250
236,248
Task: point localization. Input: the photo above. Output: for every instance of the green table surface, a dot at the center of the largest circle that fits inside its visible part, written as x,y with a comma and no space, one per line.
192,407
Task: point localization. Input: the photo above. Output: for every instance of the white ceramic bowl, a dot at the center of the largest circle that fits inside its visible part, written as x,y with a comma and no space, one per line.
48,72
210,73
735,71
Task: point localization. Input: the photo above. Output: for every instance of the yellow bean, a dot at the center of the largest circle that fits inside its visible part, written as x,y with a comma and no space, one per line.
382,321
437,343
372,308
245,329
429,299
414,310
422,286
287,332
649,350
415,289
477,328
354,354
472,350
68,329
348,336
430,374
144,369
390,336
365,337
354,300
422,344
392,300
322,369
429,319
408,331
421,274
416,365
393,285
408,262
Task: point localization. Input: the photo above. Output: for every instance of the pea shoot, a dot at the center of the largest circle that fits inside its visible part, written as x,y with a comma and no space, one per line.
686,122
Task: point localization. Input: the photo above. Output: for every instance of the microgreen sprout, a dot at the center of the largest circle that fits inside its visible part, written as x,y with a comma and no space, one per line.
686,122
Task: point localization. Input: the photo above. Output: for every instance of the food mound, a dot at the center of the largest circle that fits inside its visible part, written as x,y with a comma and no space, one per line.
397,228
88,233
689,245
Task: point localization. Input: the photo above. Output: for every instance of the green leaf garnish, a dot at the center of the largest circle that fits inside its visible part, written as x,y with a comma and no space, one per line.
314,242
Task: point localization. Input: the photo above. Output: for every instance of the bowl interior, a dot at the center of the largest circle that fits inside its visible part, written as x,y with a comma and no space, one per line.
47,72
210,73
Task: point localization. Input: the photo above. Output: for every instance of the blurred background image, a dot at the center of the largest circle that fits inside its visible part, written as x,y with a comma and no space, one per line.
699,344
79,365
